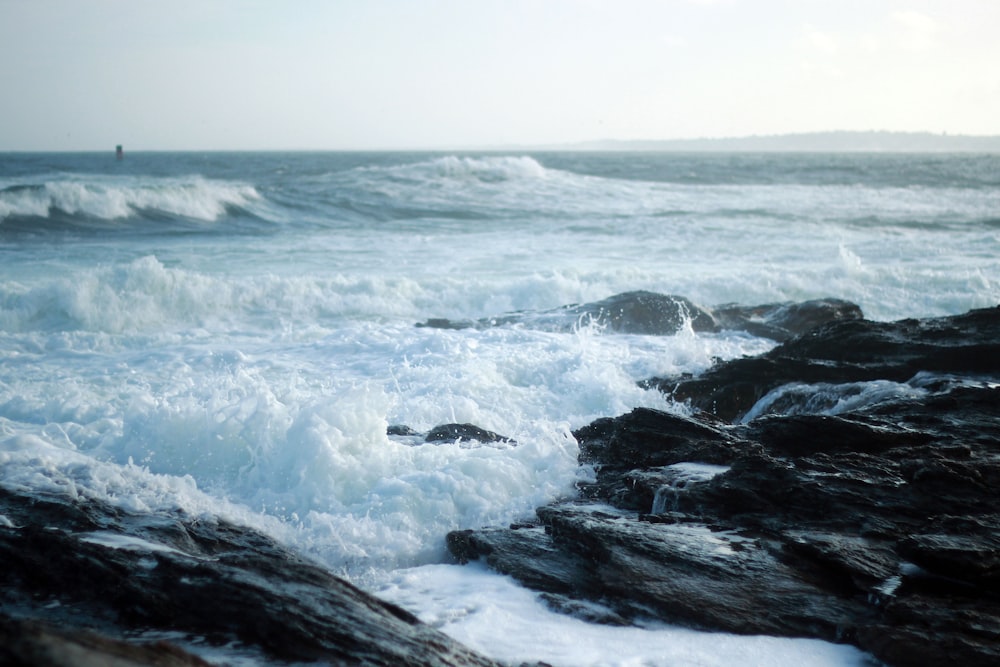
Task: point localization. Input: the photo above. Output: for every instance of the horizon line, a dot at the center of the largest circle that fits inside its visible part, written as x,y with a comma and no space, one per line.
630,145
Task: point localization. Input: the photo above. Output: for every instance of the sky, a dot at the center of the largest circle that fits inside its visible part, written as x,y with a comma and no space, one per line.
418,74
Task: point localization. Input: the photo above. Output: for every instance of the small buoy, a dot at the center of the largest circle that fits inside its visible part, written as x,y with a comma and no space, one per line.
118,152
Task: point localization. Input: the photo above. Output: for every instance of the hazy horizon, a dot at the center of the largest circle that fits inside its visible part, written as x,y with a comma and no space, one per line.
450,75
819,142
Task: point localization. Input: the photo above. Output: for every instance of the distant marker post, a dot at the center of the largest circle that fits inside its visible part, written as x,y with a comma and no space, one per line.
118,152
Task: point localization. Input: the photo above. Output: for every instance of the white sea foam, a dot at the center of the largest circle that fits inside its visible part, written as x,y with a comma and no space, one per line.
299,433
471,604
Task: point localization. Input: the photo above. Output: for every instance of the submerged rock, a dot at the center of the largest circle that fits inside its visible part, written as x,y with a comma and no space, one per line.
651,313
876,526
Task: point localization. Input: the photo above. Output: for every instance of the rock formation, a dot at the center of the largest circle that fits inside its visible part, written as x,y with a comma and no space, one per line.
101,575
650,313
877,525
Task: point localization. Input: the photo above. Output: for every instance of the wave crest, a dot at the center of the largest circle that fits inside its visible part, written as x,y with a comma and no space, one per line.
104,198
494,169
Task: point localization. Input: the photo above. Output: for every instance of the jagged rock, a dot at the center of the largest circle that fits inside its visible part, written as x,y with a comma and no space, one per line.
846,352
651,313
876,526
72,561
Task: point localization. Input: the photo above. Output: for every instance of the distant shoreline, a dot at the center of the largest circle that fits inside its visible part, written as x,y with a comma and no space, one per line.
811,142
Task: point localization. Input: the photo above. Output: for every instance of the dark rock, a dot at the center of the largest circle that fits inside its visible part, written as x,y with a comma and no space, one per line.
400,430
467,432
81,564
463,434
876,526
781,321
34,644
632,312
846,352
651,313
642,313
974,558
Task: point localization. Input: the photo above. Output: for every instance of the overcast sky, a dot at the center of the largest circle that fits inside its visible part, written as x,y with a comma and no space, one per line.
357,74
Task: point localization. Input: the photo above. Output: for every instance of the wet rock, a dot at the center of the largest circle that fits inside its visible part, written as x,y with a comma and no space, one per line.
467,432
637,312
401,430
781,321
651,313
34,644
643,313
465,435
847,351
81,564
875,525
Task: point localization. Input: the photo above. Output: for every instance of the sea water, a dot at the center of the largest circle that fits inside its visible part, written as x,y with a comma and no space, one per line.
232,334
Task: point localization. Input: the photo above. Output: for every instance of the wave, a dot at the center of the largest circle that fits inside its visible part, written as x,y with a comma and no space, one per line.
83,199
449,187
145,296
493,169
507,188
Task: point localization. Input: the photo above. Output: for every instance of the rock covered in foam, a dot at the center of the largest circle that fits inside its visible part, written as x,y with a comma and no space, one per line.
876,525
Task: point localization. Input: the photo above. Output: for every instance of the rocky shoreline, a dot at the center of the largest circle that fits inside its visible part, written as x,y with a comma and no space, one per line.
859,503
82,582
877,526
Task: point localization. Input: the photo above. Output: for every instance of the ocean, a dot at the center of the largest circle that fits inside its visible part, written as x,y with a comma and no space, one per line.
233,334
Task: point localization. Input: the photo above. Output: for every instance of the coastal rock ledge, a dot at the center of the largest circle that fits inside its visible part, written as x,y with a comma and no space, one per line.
844,486
84,583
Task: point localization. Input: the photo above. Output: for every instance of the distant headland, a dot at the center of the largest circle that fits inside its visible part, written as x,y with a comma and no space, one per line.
818,142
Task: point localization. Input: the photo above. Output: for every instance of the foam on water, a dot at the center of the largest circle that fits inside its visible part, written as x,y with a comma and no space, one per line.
294,425
470,603
250,373
298,432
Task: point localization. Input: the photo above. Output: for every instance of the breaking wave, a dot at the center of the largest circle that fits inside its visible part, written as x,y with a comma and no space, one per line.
496,169
97,198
